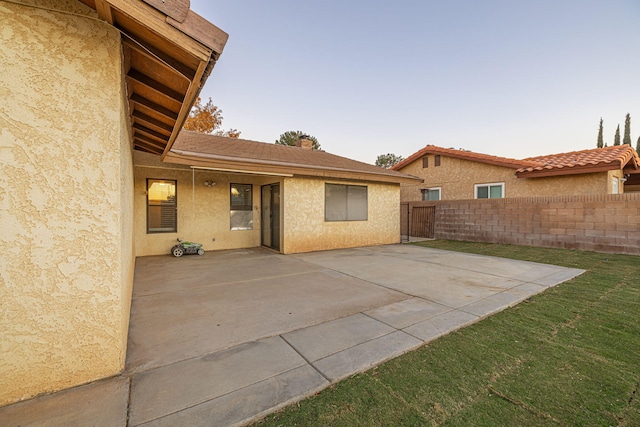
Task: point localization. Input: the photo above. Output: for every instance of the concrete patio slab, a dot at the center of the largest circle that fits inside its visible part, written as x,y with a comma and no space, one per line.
211,318
408,312
103,403
319,341
175,387
365,355
249,403
230,336
440,325
500,301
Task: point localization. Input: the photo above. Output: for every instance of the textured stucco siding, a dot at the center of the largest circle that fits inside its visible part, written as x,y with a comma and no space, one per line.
65,200
203,212
457,178
305,229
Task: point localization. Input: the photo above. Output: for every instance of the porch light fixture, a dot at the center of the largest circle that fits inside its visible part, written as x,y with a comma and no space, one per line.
209,184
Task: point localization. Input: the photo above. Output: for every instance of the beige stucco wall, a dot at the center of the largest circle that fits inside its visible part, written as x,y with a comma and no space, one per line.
65,200
306,230
457,178
203,212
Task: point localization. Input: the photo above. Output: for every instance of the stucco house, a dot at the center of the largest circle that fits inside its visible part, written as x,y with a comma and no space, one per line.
451,174
96,171
83,84
232,193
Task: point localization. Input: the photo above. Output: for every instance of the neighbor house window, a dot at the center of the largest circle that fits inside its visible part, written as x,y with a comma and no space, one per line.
425,162
489,191
436,160
431,193
345,202
615,189
241,207
161,206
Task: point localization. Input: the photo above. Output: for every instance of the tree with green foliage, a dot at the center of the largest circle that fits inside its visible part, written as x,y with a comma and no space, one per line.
638,145
292,136
600,139
616,139
388,160
627,130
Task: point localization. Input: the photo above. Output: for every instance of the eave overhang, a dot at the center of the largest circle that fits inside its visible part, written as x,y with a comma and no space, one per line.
169,51
252,166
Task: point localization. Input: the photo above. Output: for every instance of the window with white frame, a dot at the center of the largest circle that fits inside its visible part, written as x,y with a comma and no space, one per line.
162,206
241,207
431,193
345,202
494,190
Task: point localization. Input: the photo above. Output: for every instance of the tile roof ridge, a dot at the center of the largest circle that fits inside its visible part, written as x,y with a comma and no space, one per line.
465,154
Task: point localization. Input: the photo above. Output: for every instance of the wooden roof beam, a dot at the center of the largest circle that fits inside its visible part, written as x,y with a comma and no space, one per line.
140,138
104,11
155,85
159,57
151,121
138,127
138,99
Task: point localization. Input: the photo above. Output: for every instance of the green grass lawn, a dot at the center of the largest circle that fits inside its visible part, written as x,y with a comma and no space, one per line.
567,357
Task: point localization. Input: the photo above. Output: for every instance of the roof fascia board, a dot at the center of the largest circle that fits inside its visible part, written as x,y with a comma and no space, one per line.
575,170
287,175
195,86
506,163
156,21
203,160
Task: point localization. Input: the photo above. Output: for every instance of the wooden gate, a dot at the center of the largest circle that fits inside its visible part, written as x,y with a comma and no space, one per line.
422,221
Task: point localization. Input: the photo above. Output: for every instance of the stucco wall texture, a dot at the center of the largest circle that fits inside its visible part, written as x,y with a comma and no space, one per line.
204,212
65,200
305,229
457,178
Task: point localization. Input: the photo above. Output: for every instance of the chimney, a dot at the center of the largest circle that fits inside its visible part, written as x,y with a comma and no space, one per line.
305,143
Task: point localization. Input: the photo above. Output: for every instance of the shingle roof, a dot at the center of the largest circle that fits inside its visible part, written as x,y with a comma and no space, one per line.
463,154
220,152
576,162
584,161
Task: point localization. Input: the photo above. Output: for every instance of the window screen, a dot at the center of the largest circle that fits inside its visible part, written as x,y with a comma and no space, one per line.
490,191
161,206
431,194
241,207
345,203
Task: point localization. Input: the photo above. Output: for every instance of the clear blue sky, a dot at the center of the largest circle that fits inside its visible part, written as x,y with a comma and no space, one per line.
505,77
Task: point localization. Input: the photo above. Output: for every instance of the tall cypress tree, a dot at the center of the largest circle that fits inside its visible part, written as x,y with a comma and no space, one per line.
638,145
600,141
616,139
627,130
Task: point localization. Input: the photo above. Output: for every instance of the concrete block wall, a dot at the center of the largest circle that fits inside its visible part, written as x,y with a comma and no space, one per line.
602,223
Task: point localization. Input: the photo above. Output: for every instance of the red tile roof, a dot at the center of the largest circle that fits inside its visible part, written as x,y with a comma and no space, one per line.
463,154
197,149
585,161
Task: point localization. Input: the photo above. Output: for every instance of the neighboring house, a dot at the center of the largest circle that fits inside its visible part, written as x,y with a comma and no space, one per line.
451,174
82,85
232,193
